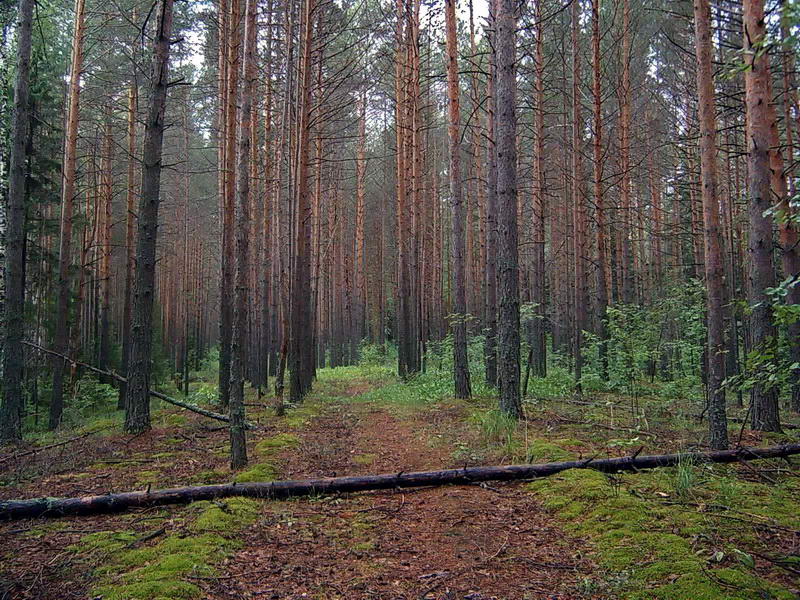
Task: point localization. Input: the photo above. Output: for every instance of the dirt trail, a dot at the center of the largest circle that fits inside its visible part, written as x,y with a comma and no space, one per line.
474,543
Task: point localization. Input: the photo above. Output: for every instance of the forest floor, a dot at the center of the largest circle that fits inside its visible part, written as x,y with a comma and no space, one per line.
691,532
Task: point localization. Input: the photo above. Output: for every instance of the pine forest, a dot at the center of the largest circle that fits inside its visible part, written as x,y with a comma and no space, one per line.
400,299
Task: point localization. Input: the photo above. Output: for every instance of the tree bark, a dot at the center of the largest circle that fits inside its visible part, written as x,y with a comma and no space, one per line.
130,232
61,335
137,406
507,255
599,200
490,310
109,503
104,233
300,348
761,271
538,283
714,272
239,337
629,276
14,305
459,215
578,208
228,271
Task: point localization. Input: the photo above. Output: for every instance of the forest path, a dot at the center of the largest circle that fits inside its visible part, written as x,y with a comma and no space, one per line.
471,542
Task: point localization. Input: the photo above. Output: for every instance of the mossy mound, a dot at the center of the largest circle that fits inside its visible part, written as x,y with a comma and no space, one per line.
264,471
657,545
225,516
271,445
161,571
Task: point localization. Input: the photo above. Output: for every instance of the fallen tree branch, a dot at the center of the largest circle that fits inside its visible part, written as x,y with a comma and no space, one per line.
39,449
57,507
188,406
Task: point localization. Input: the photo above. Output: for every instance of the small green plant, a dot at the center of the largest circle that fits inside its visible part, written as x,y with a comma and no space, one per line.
685,477
495,426
206,393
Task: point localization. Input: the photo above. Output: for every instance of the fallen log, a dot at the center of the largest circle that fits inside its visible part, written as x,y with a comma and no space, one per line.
88,505
187,405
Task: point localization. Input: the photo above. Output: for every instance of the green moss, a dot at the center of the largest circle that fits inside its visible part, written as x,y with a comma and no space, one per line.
173,420
365,459
150,590
363,546
297,418
728,584
541,450
657,544
160,455
273,444
101,424
265,471
159,571
224,516
103,542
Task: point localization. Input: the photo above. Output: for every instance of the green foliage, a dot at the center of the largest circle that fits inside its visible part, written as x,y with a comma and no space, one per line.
371,355
558,383
684,477
209,366
769,365
495,426
205,393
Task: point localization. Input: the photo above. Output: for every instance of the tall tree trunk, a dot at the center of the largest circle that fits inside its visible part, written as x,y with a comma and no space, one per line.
130,232
360,257
403,332
228,272
578,214
267,259
14,305
538,285
239,338
629,276
137,406
786,214
507,255
599,200
104,233
761,272
61,335
714,271
300,348
459,216
490,310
